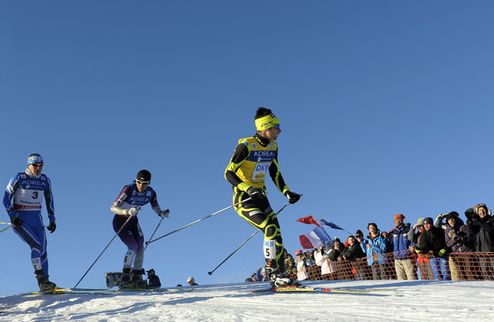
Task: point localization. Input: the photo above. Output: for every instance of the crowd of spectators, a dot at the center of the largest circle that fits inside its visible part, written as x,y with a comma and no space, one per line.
443,248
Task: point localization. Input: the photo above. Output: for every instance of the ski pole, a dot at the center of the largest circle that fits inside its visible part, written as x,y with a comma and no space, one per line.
114,236
5,223
242,244
196,221
154,232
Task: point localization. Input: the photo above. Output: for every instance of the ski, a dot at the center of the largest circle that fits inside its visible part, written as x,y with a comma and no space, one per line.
105,291
310,289
63,290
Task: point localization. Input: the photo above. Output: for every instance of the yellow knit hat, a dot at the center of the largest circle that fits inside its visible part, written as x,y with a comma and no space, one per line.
266,122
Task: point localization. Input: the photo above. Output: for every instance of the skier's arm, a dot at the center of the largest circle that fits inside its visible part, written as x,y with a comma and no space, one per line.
8,197
275,173
119,201
156,207
50,208
241,153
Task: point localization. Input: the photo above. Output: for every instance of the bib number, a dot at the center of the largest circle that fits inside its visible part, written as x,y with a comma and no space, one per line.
269,249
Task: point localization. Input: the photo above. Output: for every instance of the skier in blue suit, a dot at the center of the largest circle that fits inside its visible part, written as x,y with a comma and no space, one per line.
23,199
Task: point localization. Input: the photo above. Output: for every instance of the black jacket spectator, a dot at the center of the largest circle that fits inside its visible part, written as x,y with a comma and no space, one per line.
432,241
483,233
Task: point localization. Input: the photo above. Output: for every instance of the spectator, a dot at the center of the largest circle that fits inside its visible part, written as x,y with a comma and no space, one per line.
191,281
401,253
335,255
458,240
432,244
482,227
354,254
301,265
389,270
259,276
335,252
153,279
376,252
359,236
327,267
424,271
290,267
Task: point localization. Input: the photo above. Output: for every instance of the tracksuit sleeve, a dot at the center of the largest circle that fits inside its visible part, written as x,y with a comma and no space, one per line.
275,173
239,155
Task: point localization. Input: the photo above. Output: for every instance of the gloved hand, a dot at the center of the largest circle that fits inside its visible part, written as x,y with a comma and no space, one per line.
52,227
164,213
16,221
255,194
133,211
293,197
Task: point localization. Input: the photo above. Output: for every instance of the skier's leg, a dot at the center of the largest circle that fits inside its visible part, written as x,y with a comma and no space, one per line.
260,215
32,233
126,235
137,270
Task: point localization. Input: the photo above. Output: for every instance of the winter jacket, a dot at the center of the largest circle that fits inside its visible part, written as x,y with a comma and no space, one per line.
459,238
377,251
432,242
352,252
483,233
334,253
400,242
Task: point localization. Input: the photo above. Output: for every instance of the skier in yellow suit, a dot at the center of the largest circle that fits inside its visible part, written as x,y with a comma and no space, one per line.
253,158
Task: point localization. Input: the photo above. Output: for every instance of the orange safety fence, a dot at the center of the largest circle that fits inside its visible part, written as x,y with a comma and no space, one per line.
406,266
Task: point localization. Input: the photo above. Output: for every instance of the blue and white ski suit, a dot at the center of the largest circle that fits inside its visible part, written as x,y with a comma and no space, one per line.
23,198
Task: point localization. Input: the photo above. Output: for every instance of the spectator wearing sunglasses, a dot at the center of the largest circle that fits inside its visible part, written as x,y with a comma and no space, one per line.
126,207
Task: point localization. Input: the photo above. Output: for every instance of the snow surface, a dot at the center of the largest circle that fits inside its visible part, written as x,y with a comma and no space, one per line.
384,300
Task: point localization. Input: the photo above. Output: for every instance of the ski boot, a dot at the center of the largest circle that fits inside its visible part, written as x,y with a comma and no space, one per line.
278,278
44,284
137,278
126,281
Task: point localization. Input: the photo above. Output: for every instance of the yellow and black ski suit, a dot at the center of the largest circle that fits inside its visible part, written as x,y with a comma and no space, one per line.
253,157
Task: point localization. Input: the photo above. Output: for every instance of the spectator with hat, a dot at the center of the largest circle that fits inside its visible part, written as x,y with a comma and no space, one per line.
424,271
153,279
482,227
458,240
432,244
191,281
301,265
401,253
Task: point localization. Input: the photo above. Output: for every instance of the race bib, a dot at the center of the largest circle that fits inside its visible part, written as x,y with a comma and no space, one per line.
269,249
260,171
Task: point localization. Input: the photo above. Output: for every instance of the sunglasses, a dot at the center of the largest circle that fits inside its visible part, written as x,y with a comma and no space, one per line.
37,165
143,182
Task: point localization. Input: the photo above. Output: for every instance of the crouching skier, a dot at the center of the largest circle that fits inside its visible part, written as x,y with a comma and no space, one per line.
23,198
128,204
254,157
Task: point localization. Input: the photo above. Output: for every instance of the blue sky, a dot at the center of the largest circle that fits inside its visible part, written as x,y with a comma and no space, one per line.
385,107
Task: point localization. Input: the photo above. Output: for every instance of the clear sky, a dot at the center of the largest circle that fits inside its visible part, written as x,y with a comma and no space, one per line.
385,107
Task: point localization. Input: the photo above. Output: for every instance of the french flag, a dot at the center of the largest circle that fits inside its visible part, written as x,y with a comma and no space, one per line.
315,238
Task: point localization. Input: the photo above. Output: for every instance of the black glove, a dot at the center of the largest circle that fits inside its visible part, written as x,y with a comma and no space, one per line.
255,194
293,197
16,221
52,227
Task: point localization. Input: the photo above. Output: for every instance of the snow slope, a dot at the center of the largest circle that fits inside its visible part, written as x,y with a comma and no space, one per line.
384,300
